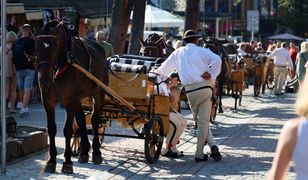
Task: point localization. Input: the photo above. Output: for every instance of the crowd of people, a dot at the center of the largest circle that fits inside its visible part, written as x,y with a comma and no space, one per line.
20,72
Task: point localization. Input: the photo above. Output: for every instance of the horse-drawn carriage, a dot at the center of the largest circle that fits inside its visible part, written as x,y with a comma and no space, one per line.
75,72
140,110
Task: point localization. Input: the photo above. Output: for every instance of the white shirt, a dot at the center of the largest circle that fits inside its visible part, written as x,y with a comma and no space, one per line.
241,52
191,62
281,57
300,152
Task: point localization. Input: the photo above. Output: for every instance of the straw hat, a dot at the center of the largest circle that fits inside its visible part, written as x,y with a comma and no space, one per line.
190,34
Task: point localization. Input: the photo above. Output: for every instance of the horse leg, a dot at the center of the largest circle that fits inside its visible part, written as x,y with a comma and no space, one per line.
220,92
84,142
52,131
68,131
96,154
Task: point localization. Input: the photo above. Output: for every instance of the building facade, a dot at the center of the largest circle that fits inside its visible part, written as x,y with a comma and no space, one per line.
227,17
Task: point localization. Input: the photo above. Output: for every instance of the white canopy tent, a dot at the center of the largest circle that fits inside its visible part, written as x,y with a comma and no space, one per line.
286,36
155,17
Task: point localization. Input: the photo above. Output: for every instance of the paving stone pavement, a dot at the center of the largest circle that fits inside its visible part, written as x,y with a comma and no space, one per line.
247,138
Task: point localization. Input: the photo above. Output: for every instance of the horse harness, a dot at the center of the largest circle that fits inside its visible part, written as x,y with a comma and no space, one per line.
67,58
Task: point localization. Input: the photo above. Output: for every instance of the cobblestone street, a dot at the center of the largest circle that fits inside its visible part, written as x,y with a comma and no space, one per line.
247,138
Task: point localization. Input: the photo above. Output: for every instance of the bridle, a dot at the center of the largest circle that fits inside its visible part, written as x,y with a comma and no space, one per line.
154,45
49,62
54,64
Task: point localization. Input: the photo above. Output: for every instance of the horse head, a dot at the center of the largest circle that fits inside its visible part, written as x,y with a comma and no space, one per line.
155,46
51,51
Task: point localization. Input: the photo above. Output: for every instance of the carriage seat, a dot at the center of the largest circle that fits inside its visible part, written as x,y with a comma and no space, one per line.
130,82
130,68
148,62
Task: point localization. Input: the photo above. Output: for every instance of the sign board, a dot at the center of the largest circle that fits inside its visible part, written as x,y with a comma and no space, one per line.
253,20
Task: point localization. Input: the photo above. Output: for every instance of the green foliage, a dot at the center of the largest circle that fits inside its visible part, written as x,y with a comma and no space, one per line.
288,4
296,16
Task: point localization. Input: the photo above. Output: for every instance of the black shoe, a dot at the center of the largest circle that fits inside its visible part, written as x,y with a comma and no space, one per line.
205,158
172,154
215,153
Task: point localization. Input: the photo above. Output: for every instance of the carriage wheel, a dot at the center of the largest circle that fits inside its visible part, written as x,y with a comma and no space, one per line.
263,88
269,82
154,138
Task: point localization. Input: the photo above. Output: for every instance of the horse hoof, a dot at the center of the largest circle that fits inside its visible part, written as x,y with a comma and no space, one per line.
50,167
67,168
97,159
83,159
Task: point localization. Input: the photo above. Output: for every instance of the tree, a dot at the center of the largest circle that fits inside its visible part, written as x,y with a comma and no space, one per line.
192,14
137,26
296,16
121,10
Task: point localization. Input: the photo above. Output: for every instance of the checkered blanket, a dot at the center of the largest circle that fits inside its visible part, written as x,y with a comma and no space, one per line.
125,60
119,67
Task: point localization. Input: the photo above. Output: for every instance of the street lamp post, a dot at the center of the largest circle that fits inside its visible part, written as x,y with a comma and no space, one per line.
3,78
252,27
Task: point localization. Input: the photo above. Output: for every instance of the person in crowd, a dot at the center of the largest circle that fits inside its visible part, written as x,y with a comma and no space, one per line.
292,143
11,79
178,43
282,60
177,121
241,51
197,68
293,53
301,70
24,68
301,61
101,37
171,40
253,44
259,48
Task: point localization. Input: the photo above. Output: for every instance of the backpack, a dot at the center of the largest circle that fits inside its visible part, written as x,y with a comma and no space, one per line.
19,59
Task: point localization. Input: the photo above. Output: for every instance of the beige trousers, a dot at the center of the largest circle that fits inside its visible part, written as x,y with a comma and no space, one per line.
200,104
279,78
176,128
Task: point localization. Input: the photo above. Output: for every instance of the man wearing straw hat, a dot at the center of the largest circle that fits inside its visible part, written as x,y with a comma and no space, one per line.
198,68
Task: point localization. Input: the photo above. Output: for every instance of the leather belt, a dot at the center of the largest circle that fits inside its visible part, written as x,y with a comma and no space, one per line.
280,65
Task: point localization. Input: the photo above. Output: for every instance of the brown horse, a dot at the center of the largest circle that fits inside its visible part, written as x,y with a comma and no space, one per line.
155,46
216,46
59,81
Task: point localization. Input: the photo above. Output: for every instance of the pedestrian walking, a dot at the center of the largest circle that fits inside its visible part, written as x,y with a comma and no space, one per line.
293,51
282,60
292,143
11,79
24,68
198,68
301,62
